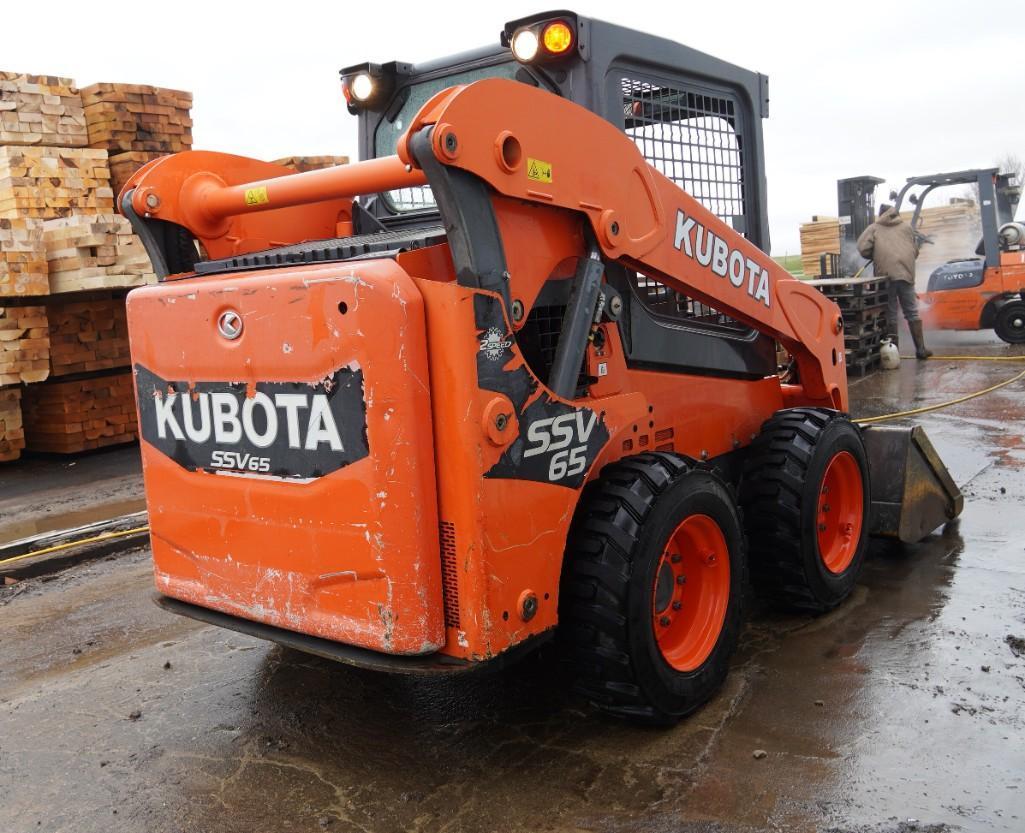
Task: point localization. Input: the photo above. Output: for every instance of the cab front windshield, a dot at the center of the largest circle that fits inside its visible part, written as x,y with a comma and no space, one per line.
388,132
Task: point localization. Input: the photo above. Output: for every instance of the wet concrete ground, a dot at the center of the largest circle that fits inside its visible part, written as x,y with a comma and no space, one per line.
902,710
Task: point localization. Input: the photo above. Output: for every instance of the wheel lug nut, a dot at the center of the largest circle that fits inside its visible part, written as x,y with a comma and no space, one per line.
825,507
664,621
675,559
677,605
681,579
822,527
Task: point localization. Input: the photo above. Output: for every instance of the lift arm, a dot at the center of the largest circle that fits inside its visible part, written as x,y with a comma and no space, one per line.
529,145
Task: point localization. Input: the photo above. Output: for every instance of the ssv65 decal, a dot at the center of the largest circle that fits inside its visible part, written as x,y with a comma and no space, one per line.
284,430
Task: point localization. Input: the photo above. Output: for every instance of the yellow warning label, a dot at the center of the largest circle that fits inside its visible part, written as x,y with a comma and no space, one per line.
257,196
538,171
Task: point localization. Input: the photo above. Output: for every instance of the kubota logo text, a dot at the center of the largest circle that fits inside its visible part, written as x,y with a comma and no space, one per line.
307,421
704,246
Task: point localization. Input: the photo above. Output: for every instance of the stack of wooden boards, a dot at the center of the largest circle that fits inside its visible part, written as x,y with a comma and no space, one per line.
41,110
22,258
66,260
48,182
24,344
97,251
956,229
79,414
12,434
820,236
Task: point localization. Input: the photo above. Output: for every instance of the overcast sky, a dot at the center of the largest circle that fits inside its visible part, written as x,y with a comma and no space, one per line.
892,89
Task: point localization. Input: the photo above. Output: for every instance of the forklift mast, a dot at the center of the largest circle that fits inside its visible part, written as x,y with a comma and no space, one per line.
998,200
695,118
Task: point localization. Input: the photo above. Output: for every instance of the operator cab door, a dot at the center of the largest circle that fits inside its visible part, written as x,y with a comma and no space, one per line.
695,134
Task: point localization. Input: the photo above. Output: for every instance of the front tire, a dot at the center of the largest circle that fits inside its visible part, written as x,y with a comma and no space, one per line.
651,603
1010,323
805,493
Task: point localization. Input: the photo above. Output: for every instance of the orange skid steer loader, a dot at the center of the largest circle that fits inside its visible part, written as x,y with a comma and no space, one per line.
513,371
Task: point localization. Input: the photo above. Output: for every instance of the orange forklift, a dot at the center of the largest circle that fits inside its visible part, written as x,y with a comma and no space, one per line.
512,375
986,291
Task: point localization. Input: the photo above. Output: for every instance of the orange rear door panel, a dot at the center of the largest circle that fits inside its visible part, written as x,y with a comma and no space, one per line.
290,472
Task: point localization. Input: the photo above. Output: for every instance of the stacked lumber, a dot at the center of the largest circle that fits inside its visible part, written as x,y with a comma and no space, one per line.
69,416
12,434
22,258
123,165
955,229
96,251
41,110
301,164
49,182
24,344
87,334
820,236
126,117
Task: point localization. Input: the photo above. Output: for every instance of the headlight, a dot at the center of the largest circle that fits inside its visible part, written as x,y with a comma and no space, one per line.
525,45
362,87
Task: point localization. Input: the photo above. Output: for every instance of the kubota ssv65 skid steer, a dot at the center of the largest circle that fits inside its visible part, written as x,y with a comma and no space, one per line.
526,382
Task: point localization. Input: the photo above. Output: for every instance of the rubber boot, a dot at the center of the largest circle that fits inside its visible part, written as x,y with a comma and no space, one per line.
921,351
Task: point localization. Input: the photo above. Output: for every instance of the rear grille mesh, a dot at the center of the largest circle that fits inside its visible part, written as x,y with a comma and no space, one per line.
450,574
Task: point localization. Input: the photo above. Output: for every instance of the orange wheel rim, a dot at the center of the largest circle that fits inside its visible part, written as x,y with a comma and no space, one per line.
840,512
691,592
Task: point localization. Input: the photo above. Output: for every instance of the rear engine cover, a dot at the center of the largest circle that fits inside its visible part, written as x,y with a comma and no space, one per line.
287,450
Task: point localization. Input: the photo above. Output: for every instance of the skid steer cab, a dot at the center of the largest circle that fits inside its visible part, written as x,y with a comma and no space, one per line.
985,288
513,370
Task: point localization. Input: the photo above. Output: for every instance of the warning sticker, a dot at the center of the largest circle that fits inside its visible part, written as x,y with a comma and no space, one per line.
538,171
257,196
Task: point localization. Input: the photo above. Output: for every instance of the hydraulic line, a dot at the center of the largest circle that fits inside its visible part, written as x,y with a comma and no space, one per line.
927,408
106,536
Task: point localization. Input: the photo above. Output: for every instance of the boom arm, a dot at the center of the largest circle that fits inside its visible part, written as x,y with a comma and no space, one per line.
529,145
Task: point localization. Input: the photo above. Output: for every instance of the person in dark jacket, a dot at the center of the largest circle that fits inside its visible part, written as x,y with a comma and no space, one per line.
892,246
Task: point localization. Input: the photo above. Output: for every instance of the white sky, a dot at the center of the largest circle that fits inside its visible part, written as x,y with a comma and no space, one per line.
892,89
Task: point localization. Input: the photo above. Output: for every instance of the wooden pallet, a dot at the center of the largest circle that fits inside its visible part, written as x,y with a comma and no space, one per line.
12,432
41,110
94,252
137,117
22,258
73,415
24,344
50,182
88,332
862,367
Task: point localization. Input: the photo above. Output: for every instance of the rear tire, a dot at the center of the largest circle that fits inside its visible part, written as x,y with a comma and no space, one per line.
805,494
1010,323
651,600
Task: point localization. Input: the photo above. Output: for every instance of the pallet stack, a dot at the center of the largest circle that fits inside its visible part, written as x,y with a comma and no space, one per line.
862,303
66,260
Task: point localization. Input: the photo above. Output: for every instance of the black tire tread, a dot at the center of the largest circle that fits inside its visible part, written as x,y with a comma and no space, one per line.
774,475
602,544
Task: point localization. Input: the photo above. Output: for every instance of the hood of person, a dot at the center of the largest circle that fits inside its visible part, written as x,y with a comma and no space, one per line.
890,217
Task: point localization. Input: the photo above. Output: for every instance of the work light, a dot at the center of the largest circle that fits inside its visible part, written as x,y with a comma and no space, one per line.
525,45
